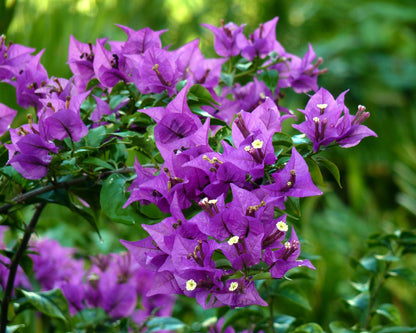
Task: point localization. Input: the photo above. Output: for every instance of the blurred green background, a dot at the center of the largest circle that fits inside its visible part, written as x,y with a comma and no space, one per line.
368,46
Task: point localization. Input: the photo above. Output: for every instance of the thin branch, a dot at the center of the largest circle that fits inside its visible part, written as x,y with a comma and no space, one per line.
66,184
15,264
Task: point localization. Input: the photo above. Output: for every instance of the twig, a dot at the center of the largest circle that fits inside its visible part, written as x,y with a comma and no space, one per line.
50,187
14,265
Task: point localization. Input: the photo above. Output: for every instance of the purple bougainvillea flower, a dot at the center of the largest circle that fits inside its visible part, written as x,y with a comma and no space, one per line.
263,41
64,120
80,61
285,258
350,130
21,279
229,39
13,57
239,293
155,71
294,180
204,71
139,41
323,122
6,117
109,66
300,74
29,79
322,113
30,166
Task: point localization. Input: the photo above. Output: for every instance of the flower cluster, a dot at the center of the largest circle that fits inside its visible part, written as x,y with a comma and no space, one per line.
243,231
218,173
112,282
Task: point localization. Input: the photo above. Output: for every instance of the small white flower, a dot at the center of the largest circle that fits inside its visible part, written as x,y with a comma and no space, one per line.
257,144
190,285
233,286
233,240
282,226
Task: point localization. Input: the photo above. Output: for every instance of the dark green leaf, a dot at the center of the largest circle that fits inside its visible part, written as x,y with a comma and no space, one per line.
112,199
244,315
52,303
331,167
101,164
390,312
404,272
201,95
315,171
295,295
270,78
95,137
180,85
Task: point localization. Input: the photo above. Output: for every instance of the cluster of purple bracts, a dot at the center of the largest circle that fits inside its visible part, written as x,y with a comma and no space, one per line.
244,233
113,282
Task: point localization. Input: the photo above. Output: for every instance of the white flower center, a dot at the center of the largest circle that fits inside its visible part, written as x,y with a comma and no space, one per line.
322,106
190,285
257,144
233,240
233,286
282,226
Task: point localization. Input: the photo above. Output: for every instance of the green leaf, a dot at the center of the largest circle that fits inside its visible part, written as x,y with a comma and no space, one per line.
370,264
282,323
244,315
390,312
361,287
308,328
331,167
337,327
180,85
360,301
201,95
164,323
404,272
386,257
295,295
95,137
228,79
397,329
270,78
112,199
315,172
14,328
243,65
98,162
52,303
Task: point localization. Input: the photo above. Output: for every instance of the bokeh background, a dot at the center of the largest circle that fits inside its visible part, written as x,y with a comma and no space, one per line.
368,46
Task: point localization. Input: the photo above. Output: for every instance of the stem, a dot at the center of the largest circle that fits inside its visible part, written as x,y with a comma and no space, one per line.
14,265
373,297
271,311
50,187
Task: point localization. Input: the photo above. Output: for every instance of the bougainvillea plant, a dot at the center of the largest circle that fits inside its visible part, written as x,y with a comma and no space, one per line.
192,148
